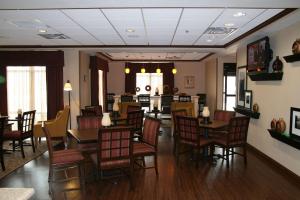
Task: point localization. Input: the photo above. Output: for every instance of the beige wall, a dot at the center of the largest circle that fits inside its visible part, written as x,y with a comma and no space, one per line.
116,77
275,99
71,72
84,77
211,84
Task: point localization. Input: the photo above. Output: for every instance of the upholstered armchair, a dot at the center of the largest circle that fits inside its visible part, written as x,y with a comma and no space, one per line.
57,127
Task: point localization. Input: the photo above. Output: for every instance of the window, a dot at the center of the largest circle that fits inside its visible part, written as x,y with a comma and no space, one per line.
229,86
26,90
153,79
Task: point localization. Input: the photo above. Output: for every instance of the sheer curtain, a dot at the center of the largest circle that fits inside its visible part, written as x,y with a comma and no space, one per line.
153,79
26,90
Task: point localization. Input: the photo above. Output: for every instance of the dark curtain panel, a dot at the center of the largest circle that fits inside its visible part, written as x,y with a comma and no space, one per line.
54,62
166,69
96,64
3,92
55,92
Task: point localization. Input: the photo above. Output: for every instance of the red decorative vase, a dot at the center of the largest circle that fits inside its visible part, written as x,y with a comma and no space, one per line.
280,125
277,65
273,124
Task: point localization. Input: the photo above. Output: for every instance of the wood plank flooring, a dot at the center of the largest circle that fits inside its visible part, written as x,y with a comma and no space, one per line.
257,180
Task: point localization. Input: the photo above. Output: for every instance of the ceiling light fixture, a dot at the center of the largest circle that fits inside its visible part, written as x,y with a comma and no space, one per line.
239,14
130,30
229,24
42,31
209,40
174,70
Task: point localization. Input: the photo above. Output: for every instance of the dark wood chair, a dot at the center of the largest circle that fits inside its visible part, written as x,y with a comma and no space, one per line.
166,101
189,134
25,131
144,100
148,144
92,110
63,160
131,108
126,98
175,113
2,124
234,136
135,120
114,150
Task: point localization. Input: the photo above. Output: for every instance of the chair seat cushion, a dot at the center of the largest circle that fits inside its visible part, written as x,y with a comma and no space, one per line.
203,141
88,147
222,141
111,164
67,156
12,135
140,148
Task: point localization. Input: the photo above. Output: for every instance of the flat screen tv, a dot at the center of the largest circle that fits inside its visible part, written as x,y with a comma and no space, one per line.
259,55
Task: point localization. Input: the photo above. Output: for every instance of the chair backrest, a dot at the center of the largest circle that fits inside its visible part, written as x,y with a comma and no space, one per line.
144,99
124,106
49,142
151,131
114,143
135,119
126,98
184,98
238,130
188,106
131,108
188,129
86,122
96,109
27,122
175,113
2,124
223,115
86,112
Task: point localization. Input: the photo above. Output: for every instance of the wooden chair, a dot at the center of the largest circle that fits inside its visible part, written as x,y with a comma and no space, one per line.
62,160
135,120
2,124
88,122
148,144
175,113
25,131
114,150
234,136
126,98
97,110
189,134
131,108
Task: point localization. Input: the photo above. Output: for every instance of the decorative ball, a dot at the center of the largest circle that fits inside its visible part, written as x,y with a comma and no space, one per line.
148,88
255,107
296,47
280,125
137,89
273,124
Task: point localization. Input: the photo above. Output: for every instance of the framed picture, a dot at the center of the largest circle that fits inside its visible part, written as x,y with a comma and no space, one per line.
248,99
295,122
189,81
241,85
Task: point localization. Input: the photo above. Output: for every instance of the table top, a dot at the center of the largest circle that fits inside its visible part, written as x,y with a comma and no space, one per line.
213,125
16,193
84,135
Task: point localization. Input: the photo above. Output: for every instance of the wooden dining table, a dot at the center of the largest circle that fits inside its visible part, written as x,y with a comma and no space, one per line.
84,135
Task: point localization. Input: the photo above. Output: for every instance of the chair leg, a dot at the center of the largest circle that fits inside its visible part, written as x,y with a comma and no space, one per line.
50,177
82,175
131,177
177,153
2,160
245,154
227,157
14,145
32,144
175,143
155,162
22,148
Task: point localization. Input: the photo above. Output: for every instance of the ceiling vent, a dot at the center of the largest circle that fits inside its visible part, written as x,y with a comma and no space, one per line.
54,36
219,30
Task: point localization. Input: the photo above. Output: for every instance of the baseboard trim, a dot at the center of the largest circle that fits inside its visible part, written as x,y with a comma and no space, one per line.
273,163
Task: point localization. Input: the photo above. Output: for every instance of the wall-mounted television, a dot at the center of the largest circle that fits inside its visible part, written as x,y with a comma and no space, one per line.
259,55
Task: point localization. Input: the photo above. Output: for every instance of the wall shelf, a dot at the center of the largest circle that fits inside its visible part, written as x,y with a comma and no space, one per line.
286,138
292,58
247,112
265,76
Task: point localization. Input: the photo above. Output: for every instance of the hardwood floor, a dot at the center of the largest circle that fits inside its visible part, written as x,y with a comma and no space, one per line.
257,180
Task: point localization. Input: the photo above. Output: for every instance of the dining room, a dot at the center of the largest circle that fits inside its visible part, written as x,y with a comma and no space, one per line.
150,100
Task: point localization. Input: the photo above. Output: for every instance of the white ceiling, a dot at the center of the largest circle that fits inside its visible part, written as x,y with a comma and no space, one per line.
100,23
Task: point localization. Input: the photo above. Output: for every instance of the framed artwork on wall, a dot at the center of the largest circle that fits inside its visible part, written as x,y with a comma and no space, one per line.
248,99
189,81
295,122
241,78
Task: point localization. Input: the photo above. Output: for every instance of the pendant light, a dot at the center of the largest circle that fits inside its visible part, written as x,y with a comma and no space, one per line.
127,69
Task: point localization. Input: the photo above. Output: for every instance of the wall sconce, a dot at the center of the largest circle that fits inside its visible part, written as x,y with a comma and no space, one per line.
143,70
158,70
127,69
174,70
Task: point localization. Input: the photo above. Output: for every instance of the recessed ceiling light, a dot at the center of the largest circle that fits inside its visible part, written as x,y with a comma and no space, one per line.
229,24
209,40
42,30
239,14
130,30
